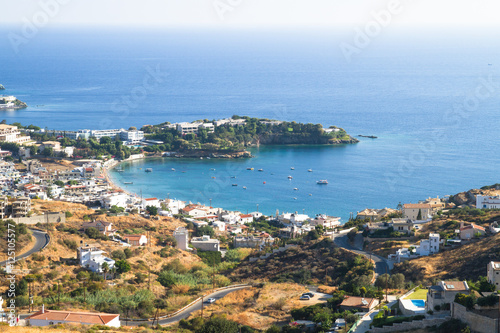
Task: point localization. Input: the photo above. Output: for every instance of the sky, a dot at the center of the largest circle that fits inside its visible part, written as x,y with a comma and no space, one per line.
250,13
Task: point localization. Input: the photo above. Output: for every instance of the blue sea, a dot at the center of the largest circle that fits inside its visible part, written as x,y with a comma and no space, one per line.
425,95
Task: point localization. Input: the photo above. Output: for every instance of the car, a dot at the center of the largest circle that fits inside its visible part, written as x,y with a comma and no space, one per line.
308,294
210,300
305,297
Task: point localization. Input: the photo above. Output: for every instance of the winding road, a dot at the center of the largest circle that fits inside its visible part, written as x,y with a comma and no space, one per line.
42,239
189,310
381,266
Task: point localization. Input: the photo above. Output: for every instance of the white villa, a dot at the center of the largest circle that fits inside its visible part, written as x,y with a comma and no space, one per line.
494,273
488,202
9,133
91,257
425,248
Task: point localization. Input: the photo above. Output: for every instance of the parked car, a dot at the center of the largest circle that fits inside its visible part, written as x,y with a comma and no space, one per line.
210,300
308,294
305,297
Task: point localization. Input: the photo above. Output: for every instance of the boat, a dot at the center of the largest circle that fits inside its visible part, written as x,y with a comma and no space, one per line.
233,176
295,189
213,177
261,170
309,170
294,198
367,136
119,170
128,182
244,187
263,182
322,182
235,184
208,157
149,170
183,171
310,194
201,158
212,169
173,169
290,177
249,168
292,168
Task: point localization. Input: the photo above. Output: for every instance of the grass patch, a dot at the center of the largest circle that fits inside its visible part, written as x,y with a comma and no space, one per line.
418,294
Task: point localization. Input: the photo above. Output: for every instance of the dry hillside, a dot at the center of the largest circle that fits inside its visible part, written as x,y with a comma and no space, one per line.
465,262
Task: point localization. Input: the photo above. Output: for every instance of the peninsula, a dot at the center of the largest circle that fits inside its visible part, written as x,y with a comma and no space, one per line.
232,135
11,102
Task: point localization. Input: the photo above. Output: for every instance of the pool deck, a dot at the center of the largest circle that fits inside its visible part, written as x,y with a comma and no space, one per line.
408,305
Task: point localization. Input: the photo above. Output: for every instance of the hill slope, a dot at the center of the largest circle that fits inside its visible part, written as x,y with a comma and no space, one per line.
466,262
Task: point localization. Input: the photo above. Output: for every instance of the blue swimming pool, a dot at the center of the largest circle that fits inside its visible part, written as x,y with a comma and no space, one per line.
418,302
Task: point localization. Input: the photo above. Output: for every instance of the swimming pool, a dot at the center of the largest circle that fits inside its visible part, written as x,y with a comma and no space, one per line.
418,303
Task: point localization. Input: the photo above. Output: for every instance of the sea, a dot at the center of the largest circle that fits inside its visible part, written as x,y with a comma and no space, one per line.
431,98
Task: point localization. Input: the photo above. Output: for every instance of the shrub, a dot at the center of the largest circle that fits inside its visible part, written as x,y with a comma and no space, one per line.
118,254
68,214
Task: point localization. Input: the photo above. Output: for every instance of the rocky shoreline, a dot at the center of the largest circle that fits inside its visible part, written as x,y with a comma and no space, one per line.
207,154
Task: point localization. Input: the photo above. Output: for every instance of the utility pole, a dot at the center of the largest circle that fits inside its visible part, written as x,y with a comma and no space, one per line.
386,284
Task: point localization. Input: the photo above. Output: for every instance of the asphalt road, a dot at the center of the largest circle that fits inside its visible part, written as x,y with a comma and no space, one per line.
188,311
381,266
42,239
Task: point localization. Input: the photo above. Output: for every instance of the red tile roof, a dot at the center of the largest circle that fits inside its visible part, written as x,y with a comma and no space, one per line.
74,317
472,226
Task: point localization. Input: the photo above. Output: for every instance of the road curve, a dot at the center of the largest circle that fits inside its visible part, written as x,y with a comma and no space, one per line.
188,311
381,266
42,239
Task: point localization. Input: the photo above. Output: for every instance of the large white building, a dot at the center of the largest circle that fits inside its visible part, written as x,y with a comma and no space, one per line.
192,128
494,273
488,202
9,133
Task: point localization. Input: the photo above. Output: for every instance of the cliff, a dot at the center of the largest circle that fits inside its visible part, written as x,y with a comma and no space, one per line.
291,139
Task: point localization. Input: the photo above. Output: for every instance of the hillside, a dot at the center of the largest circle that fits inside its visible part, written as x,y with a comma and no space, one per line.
318,261
466,262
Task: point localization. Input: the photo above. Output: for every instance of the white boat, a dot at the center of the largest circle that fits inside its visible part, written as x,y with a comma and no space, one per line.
290,177
309,170
128,182
201,158
173,169
244,187
149,170
322,182
261,170
292,168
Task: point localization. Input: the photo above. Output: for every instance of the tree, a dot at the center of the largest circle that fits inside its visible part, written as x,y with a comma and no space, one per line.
219,325
419,216
118,254
105,269
93,233
166,279
205,230
152,210
122,266
351,235
128,253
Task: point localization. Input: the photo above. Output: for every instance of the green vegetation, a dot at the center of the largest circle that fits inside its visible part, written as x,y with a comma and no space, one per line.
381,319
227,138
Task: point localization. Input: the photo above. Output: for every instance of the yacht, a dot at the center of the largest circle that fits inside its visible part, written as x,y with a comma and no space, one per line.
322,182
292,168
309,170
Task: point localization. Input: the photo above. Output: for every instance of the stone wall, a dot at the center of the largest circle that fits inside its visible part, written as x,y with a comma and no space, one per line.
51,217
477,323
416,324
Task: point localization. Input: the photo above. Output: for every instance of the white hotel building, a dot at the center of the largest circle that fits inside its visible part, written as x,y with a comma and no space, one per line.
488,202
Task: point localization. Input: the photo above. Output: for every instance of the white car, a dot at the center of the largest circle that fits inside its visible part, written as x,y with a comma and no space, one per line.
210,300
305,297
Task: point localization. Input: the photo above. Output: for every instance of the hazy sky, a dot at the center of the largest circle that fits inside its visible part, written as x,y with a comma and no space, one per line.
251,13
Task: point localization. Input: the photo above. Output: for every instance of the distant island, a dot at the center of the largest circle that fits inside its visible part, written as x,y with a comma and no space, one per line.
231,136
2,87
11,102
